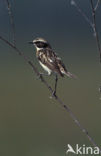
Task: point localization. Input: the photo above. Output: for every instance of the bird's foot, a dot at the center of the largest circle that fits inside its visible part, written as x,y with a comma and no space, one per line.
39,75
43,74
53,94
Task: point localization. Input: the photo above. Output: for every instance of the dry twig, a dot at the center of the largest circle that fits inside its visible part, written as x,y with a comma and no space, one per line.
56,97
97,4
11,20
95,27
91,23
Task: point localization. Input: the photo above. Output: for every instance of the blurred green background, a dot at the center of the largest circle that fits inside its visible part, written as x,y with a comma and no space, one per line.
30,122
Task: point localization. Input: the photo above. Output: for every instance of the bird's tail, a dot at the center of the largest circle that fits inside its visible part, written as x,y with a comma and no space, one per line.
71,75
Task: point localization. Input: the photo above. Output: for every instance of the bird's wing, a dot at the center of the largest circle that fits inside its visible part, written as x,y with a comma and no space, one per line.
58,62
51,60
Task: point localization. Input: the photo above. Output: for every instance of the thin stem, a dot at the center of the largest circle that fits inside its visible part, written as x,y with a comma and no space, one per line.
11,20
97,4
95,29
56,97
92,24
82,12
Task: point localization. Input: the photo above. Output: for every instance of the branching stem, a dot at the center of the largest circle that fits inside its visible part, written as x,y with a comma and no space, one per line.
56,97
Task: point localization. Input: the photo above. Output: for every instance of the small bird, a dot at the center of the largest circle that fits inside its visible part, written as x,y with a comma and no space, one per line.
49,60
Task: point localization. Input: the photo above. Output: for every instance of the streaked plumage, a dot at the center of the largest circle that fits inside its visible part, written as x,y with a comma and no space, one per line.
48,58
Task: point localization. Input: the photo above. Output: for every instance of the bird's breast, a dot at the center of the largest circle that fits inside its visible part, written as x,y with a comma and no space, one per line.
45,68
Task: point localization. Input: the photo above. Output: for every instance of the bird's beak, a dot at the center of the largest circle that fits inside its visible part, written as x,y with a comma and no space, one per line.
30,42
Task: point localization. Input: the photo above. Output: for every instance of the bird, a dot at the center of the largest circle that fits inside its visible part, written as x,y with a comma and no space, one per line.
49,60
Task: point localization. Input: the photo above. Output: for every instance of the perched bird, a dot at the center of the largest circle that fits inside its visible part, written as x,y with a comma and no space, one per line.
49,60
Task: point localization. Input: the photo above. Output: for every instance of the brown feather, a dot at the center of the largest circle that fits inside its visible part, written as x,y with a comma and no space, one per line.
50,59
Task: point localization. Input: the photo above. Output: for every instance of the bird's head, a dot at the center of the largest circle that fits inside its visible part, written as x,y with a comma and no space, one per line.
40,43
